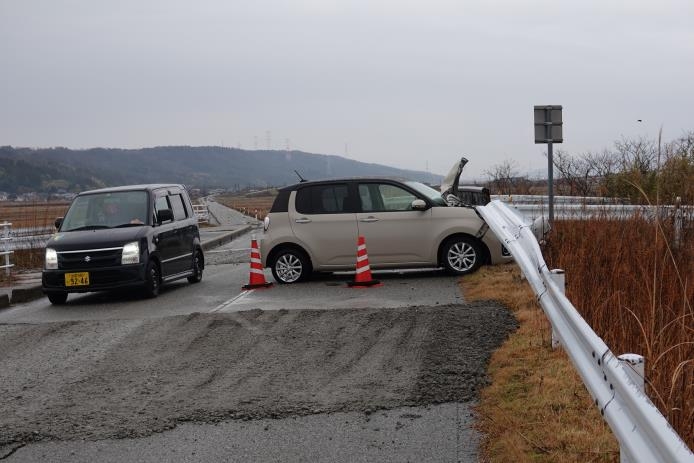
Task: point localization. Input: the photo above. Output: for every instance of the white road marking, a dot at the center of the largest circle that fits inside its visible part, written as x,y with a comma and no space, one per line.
227,250
231,301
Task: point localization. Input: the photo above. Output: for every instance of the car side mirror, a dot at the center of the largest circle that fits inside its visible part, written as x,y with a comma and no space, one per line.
164,215
419,205
58,222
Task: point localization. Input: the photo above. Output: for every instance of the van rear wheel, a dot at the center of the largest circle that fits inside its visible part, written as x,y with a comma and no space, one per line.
196,277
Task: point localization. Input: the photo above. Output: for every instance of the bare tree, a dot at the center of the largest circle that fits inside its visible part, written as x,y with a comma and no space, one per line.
603,163
579,173
501,177
637,155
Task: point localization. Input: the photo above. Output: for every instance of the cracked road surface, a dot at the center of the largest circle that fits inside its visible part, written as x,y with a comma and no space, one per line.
93,381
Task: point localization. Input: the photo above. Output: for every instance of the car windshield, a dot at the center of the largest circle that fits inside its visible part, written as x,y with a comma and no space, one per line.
107,210
433,195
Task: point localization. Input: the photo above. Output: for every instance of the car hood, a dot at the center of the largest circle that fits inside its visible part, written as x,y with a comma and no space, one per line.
449,186
95,239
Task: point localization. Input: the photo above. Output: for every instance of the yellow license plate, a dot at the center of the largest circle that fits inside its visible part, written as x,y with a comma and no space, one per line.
77,279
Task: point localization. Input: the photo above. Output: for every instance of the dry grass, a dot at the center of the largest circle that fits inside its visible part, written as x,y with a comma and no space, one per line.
536,407
31,214
252,206
636,292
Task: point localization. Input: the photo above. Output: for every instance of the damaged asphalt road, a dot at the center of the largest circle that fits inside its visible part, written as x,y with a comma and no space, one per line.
94,380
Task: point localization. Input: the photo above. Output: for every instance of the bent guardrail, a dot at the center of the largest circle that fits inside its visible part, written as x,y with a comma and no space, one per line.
643,433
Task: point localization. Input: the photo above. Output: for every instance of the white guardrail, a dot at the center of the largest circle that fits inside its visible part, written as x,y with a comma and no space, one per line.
28,238
202,213
643,433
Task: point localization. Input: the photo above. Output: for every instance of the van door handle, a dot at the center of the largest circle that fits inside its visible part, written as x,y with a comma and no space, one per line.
369,219
303,220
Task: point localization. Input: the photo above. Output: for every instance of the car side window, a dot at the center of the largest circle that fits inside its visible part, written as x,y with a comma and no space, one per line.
179,210
384,197
323,199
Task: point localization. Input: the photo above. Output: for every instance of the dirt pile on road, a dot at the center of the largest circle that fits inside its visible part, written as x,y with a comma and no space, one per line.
128,378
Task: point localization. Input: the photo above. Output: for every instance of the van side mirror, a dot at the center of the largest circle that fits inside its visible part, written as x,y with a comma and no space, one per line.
58,222
419,205
164,215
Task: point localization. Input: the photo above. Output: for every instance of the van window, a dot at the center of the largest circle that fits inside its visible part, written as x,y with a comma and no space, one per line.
322,199
179,210
160,204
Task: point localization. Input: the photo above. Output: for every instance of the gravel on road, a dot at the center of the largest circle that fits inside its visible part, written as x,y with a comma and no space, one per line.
127,378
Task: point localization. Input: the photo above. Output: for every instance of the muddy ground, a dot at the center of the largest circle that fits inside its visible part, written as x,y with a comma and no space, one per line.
127,378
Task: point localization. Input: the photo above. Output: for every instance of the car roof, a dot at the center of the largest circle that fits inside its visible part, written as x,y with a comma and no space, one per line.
144,187
296,186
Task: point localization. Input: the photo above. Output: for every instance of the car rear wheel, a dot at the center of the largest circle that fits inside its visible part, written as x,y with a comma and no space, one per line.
290,266
461,255
196,277
152,279
57,297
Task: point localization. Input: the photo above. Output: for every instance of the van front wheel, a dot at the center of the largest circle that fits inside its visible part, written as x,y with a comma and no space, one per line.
57,297
152,279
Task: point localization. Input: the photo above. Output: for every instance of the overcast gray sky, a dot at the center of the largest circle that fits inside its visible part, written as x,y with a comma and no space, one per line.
411,84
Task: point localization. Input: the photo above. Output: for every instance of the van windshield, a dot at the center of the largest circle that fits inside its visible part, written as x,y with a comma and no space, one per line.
107,210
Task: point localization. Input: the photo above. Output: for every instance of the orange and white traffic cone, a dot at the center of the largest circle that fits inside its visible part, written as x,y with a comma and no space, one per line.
257,276
363,275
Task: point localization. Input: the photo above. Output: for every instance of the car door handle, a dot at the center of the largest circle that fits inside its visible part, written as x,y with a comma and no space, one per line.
303,220
369,219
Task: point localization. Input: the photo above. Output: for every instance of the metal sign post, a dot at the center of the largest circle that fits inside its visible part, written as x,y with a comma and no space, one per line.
548,129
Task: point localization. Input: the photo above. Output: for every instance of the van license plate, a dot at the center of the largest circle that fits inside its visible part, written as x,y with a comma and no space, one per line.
77,279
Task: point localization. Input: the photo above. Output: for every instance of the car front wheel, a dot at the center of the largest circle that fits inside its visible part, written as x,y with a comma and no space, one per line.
290,266
57,297
461,255
152,279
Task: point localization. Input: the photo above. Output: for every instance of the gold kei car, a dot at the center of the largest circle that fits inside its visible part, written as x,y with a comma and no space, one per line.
314,226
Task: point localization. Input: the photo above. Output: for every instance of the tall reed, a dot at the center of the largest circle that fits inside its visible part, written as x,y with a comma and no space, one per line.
635,289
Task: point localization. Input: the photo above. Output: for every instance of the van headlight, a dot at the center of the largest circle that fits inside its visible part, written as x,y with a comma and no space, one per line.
266,223
131,253
51,259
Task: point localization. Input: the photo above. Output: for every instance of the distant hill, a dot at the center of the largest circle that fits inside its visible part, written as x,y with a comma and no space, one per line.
54,170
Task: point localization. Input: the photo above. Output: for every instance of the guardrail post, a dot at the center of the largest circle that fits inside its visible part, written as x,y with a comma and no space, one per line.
6,246
559,278
635,366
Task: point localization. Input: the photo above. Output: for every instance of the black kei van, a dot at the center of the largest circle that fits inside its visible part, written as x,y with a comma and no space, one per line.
128,236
